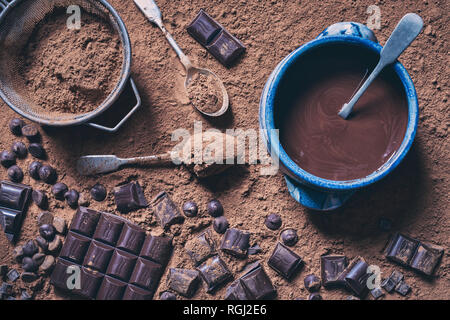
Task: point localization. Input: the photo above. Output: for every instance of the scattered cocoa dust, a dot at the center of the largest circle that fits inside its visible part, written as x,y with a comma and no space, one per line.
204,93
72,71
415,197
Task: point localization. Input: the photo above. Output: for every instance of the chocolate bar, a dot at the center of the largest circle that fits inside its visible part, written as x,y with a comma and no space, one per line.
166,210
116,260
129,197
183,281
215,38
284,261
331,267
200,248
255,284
215,273
356,277
236,242
421,257
14,200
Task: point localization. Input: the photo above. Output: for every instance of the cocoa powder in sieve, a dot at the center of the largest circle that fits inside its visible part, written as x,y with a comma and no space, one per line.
68,70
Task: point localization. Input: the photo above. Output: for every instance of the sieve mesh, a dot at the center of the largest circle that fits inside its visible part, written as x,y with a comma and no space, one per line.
16,27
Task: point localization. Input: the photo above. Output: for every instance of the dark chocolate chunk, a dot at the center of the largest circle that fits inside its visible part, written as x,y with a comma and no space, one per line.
166,210
215,208
19,149
25,295
33,169
136,293
220,224
29,265
183,281
7,158
284,261
3,270
72,197
75,247
28,276
257,283
31,132
331,267
377,293
289,237
315,296
47,231
401,249
90,282
167,295
129,197
121,265
215,273
62,271
312,283
12,275
157,249
111,289
255,249
48,174
85,221
356,277
37,151
15,125
200,248
131,239
391,282
218,41
40,198
30,248
146,274
403,288
190,209
273,221
236,242
98,256
108,229
98,192
15,174
427,258
236,291
352,298
59,190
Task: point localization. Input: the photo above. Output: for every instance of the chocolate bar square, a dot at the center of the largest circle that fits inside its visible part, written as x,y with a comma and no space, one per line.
215,273
403,288
204,28
391,282
183,281
166,210
105,248
200,248
331,267
284,261
236,242
401,249
356,276
427,258
377,293
129,197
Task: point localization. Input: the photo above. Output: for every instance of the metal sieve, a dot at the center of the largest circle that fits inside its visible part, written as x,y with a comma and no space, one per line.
18,19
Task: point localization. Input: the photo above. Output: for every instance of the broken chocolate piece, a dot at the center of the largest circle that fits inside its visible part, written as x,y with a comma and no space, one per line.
183,281
427,258
391,282
200,248
356,276
129,197
377,293
403,288
284,261
166,210
236,242
401,249
331,267
157,249
14,200
215,273
215,38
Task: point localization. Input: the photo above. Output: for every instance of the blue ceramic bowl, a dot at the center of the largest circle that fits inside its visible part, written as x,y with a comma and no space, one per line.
312,191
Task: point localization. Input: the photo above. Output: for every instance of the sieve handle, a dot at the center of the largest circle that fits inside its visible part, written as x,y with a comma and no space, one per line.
117,127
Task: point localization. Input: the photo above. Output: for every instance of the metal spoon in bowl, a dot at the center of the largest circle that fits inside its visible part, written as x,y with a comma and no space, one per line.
152,12
404,33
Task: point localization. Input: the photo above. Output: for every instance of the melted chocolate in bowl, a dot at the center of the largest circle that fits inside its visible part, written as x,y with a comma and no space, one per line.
312,133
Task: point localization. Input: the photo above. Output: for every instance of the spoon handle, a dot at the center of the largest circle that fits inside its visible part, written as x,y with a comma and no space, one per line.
155,159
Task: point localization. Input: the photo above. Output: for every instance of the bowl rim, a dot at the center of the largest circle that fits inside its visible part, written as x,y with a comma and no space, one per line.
292,169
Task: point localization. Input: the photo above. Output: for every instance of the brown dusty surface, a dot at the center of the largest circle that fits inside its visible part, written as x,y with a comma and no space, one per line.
72,71
204,93
415,196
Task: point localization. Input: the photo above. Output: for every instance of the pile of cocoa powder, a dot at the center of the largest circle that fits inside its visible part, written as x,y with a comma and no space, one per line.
204,93
69,70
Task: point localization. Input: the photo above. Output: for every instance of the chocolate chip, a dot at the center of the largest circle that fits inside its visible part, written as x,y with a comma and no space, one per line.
167,295
7,158
15,174
18,253
33,169
59,190
273,221
47,231
220,224
29,277
315,296
37,150
312,283
31,132
15,125
19,149
289,237
98,192
29,265
30,248
47,174
190,209
40,199
72,197
215,208
12,275
45,217
38,258
42,243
